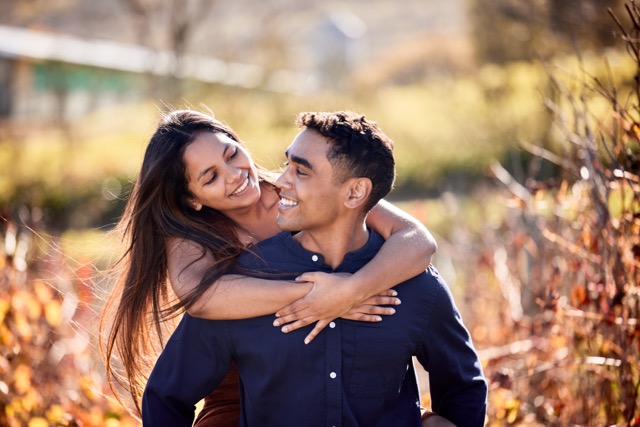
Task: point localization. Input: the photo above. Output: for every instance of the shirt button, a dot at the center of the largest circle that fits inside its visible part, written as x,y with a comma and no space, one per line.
314,258
333,375
332,325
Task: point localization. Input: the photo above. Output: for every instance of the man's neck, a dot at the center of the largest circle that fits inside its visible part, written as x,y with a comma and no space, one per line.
334,242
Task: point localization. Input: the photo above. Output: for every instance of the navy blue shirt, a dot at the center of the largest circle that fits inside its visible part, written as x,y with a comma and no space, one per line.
351,374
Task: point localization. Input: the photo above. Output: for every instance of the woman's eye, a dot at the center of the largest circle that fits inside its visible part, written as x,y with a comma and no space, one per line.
234,153
213,178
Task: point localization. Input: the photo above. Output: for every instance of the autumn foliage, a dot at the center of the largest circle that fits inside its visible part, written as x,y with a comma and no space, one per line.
49,371
564,344
551,290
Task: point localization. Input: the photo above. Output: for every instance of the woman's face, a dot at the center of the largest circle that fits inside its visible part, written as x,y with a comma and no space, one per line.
220,173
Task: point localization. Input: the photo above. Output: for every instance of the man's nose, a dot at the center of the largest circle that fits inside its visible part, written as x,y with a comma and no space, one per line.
283,180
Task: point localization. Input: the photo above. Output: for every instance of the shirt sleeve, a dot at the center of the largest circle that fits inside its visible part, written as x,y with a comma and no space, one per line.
193,363
456,382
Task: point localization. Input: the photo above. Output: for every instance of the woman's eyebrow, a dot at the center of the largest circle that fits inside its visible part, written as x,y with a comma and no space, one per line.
205,171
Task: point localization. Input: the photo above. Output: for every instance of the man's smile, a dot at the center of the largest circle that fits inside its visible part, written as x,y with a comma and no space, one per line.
287,203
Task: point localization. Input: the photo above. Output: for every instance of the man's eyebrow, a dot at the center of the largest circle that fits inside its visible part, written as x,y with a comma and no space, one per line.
299,160
205,171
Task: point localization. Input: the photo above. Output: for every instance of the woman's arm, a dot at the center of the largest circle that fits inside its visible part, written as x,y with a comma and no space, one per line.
230,297
406,253
241,297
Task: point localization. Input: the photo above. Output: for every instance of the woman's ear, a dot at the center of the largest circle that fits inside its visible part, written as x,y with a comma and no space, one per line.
194,205
359,191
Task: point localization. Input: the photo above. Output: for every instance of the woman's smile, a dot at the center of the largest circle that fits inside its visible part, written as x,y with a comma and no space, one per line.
240,190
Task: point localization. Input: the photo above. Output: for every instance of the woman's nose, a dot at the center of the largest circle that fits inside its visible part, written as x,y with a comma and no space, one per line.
234,173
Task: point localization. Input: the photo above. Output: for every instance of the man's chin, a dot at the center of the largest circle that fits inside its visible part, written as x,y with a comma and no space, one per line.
285,225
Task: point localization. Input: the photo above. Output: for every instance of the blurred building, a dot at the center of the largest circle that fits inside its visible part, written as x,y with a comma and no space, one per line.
68,58
50,75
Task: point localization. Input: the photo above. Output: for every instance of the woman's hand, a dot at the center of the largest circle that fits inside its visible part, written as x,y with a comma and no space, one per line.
332,296
370,309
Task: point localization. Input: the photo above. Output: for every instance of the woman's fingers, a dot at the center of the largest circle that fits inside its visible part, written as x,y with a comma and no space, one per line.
382,300
362,317
295,325
292,309
372,310
320,325
283,320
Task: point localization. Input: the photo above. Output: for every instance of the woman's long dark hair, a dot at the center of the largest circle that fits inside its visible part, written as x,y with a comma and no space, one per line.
141,300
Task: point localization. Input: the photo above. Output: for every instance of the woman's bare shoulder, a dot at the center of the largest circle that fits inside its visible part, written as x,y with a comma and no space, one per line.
182,247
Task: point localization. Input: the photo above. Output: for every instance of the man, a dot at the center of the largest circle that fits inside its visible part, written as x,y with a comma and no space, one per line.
354,373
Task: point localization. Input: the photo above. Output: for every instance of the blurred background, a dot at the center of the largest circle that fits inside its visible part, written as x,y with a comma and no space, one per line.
516,137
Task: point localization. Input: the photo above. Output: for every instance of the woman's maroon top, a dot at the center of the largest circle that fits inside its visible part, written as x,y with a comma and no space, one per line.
222,407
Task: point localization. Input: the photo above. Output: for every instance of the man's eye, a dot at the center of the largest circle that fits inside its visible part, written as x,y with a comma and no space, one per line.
300,172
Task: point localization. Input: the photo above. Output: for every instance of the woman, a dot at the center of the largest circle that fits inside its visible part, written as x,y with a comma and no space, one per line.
198,202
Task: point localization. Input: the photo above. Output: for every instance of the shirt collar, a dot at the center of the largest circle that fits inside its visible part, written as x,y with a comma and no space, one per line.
364,253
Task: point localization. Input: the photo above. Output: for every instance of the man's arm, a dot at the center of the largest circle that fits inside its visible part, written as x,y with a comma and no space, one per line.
456,382
191,366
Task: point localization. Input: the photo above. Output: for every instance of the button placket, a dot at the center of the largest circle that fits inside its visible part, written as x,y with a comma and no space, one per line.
333,357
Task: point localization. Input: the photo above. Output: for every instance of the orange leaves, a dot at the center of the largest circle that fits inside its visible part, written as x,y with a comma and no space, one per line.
506,407
4,309
38,422
578,295
22,379
26,305
53,313
47,367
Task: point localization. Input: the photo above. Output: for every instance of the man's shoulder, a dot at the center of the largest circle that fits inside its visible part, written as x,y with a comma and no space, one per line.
281,239
267,246
427,285
277,254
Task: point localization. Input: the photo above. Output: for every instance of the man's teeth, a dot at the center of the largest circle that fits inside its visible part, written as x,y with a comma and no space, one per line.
242,187
288,202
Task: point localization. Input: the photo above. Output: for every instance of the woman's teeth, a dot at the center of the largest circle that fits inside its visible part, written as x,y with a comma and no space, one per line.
242,187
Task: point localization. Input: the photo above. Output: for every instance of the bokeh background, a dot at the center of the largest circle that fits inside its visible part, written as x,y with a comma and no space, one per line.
516,130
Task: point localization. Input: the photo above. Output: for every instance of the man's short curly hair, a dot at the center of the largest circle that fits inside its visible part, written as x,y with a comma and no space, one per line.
359,149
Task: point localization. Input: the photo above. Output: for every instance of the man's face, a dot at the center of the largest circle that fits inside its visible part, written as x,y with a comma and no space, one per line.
310,199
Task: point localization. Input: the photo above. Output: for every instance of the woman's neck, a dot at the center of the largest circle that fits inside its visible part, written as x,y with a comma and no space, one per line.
259,221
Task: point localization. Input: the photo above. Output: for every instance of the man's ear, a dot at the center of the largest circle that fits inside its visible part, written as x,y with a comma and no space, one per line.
358,193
